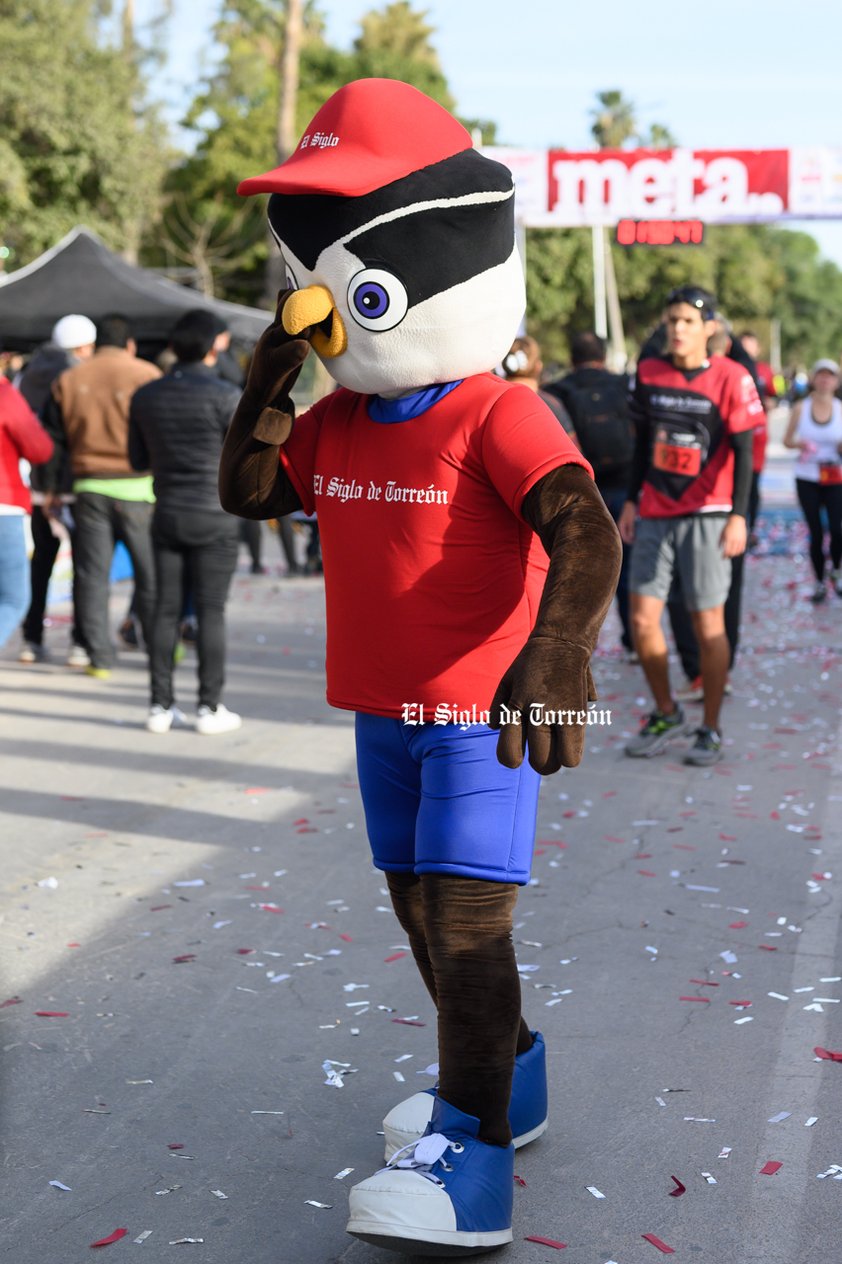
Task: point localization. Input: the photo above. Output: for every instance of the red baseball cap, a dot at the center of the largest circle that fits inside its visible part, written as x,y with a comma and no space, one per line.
369,133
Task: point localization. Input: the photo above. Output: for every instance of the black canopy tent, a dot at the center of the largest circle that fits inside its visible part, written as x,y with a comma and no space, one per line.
82,275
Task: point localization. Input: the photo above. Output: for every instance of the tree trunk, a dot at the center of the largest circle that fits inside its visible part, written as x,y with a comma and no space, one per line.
286,134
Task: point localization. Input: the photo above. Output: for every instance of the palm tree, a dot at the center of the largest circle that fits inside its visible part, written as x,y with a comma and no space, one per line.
614,120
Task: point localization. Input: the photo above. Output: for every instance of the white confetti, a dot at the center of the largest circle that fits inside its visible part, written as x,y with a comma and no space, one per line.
730,958
190,882
58,1185
219,925
738,1021
725,1152
353,987
311,1202
660,1101
141,1238
780,1117
711,1180
695,1119
404,1057
401,1079
49,884
777,996
266,1112
592,1189
340,1176
185,1241
217,1193
814,1119
833,1170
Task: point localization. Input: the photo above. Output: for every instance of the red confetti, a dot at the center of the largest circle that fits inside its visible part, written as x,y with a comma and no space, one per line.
270,908
705,1000
302,820
774,816
396,956
770,1168
643,855
258,790
113,1237
829,1054
737,925
175,1145
559,1246
185,956
307,829
662,1246
821,877
158,907
74,945
646,873
50,1013
767,947
704,982
13,1000
520,1181
743,1004
244,952
679,1188
612,838
347,938
409,1022
728,838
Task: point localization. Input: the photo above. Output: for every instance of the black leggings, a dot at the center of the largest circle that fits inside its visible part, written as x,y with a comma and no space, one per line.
811,498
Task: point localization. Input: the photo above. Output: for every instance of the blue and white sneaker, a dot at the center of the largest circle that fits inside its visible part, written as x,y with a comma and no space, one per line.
446,1193
408,1121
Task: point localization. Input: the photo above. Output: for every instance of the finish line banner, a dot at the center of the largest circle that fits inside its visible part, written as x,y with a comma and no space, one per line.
563,189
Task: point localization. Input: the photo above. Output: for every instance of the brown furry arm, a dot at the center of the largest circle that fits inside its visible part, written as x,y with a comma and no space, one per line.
552,673
252,481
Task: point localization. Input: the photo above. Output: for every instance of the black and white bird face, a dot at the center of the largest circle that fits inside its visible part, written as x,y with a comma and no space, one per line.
416,283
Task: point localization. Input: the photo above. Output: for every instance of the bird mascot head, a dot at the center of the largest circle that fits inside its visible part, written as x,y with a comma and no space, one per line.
398,238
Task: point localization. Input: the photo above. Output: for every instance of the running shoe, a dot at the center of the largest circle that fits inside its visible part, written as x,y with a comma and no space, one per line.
836,580
656,732
212,720
78,656
693,691
818,595
707,748
31,652
99,673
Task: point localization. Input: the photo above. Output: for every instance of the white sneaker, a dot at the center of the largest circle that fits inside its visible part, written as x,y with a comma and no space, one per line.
161,719
217,720
32,653
78,657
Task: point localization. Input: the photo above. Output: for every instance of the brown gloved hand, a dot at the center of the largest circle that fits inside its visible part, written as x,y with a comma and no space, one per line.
251,483
275,365
542,701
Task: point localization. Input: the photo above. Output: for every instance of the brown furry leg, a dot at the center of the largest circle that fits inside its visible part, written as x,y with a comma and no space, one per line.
468,925
408,903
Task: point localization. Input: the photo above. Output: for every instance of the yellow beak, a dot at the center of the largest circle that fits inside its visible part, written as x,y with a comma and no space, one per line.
314,306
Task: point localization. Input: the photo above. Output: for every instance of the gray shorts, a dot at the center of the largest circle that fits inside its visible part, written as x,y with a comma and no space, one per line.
672,555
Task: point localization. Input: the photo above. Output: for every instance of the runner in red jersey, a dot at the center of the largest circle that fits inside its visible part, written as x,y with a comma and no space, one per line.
692,474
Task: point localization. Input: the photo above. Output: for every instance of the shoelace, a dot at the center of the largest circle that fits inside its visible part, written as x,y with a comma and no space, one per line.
422,1155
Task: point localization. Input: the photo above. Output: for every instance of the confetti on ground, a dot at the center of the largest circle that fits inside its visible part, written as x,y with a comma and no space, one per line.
814,1119
662,1246
520,1181
770,1168
780,1117
340,1176
141,1238
112,1237
711,1180
724,1152
592,1189
680,1188
559,1246
13,1000
58,1185
217,1193
51,1013
186,1241
829,1055
311,1202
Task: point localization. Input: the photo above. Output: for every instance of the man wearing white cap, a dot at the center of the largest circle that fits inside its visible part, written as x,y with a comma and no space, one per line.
71,341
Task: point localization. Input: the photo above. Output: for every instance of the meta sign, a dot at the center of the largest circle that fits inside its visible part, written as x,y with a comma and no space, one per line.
560,188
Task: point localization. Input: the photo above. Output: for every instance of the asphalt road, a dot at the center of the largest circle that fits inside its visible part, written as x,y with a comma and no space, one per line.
203,914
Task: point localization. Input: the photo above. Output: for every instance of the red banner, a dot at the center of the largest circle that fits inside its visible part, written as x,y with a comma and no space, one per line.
712,185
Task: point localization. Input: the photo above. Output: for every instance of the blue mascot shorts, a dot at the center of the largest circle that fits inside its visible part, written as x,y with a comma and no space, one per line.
437,801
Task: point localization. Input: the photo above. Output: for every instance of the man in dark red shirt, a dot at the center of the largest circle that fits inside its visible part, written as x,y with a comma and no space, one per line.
695,419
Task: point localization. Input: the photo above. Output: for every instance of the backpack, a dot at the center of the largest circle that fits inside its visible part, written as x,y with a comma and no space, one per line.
600,414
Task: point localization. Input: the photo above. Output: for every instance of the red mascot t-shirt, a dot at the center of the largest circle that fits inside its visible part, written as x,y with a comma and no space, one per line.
432,578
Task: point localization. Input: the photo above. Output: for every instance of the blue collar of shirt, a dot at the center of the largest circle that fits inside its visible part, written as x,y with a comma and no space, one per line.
408,406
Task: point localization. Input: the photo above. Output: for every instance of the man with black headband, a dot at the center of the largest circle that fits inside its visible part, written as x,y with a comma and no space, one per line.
692,478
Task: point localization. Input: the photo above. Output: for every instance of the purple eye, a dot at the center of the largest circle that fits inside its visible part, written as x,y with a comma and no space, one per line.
371,299
377,300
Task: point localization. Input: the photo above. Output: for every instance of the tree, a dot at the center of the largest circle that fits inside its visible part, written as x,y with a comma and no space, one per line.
80,142
613,120
235,117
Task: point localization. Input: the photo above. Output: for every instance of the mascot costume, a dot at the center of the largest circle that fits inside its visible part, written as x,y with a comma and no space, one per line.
469,563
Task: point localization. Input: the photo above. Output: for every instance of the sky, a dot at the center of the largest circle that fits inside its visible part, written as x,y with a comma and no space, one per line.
742,74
